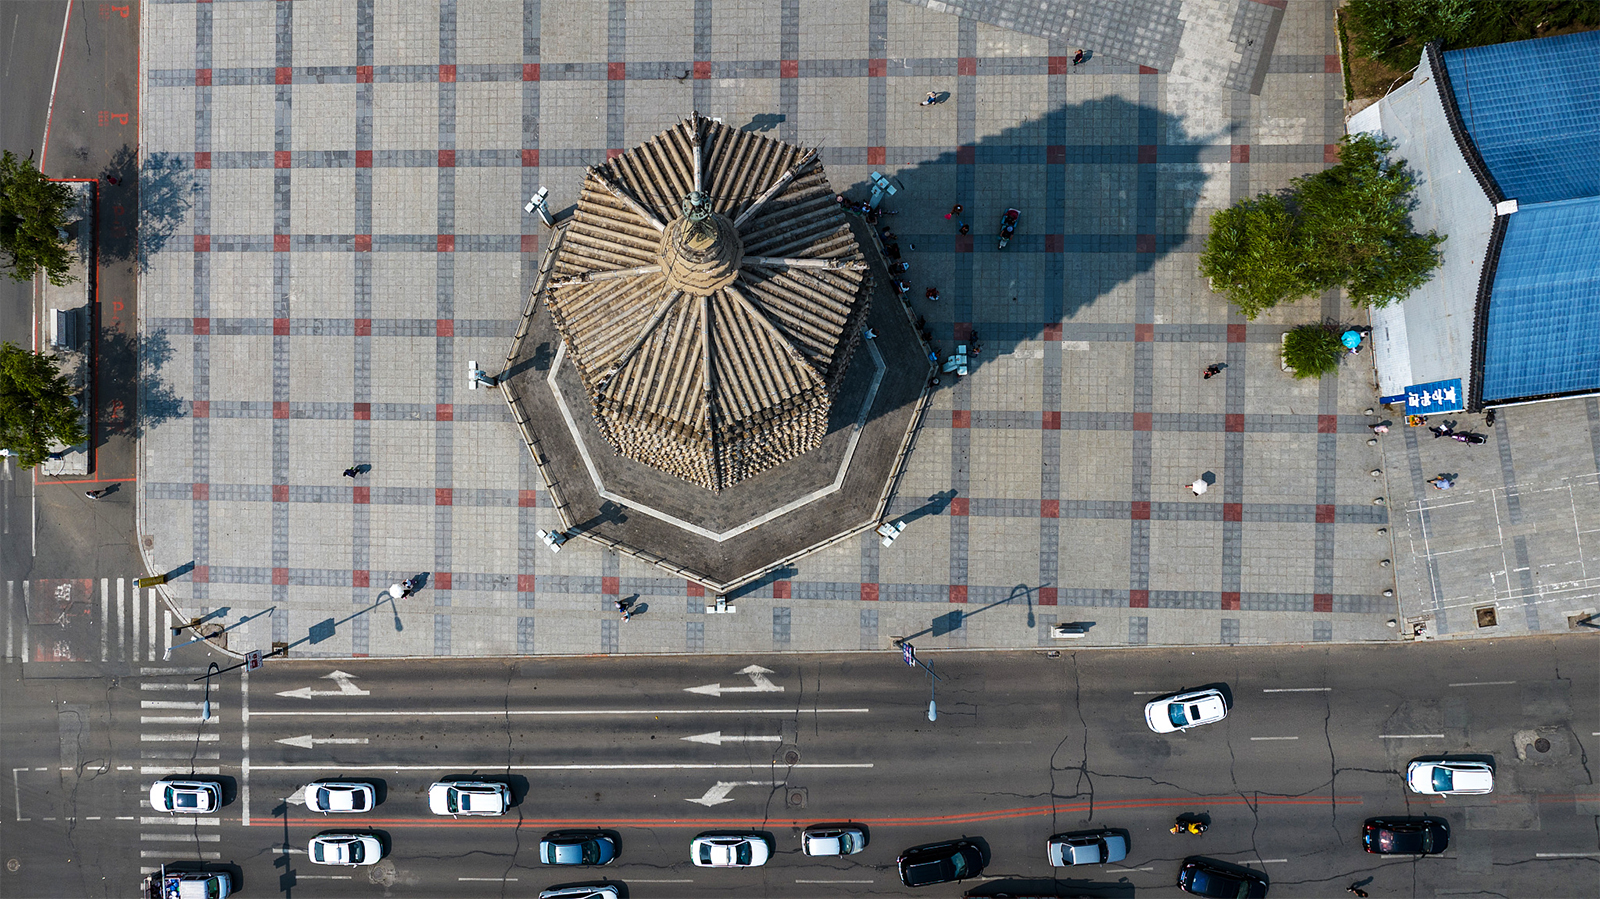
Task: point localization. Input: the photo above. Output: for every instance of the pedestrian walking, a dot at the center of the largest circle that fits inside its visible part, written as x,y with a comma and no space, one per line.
1441,482
932,99
901,287
932,295
397,592
1212,371
1077,58
900,267
409,586
96,494
886,234
870,334
352,471
1199,486
1380,429
964,229
1352,888
954,211
1443,431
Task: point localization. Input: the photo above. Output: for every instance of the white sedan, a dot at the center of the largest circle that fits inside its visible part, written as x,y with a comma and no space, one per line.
1182,711
331,796
830,839
1447,777
469,797
186,797
348,849
729,851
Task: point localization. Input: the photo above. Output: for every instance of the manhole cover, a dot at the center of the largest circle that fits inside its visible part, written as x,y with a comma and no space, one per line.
791,757
1541,745
12,864
1486,616
795,799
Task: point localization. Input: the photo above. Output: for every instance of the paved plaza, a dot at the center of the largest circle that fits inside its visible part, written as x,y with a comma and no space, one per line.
355,236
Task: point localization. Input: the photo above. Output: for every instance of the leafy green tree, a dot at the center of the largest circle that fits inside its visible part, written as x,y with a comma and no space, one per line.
1346,226
1354,219
32,213
1393,32
36,405
1312,350
1253,255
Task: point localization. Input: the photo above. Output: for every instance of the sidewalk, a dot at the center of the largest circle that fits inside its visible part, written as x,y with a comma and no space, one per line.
357,236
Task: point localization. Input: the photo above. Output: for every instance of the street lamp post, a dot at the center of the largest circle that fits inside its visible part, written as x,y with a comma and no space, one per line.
168,653
205,711
909,653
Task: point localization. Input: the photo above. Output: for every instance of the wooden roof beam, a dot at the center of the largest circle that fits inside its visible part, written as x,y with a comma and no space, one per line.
621,193
777,187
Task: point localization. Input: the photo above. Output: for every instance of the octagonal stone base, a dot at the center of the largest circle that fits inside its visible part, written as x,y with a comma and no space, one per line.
759,524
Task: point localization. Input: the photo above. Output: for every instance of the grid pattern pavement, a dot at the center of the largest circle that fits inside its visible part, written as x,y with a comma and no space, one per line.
355,236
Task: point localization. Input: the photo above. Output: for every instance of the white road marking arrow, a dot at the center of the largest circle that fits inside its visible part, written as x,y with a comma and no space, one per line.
339,677
758,684
308,741
718,794
298,797
716,738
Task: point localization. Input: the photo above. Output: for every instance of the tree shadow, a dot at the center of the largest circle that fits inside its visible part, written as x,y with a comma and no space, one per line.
123,361
164,187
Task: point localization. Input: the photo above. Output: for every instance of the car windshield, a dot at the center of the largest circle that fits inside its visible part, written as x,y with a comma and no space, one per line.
590,852
958,864
1175,714
846,844
705,853
354,848
452,800
319,852
744,853
1442,780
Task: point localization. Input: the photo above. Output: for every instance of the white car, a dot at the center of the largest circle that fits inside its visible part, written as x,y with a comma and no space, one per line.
1450,777
1182,711
831,839
729,851
349,849
469,797
186,797
340,797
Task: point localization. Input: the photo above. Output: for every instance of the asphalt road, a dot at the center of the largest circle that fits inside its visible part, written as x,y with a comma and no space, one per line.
1024,746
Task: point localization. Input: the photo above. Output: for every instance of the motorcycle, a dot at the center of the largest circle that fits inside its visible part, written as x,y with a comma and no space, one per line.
1008,226
1469,439
1195,827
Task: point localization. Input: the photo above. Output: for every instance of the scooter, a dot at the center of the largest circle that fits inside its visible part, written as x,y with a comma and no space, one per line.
1190,827
1008,226
1469,439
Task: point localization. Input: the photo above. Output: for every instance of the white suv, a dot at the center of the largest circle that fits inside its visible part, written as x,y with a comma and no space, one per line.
469,797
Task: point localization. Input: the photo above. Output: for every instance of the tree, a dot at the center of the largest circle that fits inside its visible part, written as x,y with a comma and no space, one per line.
36,405
1393,32
1252,255
1346,226
32,213
1312,350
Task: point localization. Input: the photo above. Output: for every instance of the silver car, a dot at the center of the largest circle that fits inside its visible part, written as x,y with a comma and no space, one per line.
186,797
469,797
1087,847
832,839
597,891
340,797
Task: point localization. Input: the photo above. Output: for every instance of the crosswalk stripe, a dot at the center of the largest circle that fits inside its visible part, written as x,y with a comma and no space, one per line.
180,837
181,820
176,769
150,597
10,609
173,704
180,754
179,738
23,631
203,856
176,688
178,719
105,619
135,645
171,671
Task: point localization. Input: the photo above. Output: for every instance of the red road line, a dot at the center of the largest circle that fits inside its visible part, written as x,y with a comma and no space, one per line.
770,823
49,113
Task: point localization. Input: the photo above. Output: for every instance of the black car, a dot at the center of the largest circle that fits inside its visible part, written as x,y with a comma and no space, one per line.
1219,880
1405,836
940,863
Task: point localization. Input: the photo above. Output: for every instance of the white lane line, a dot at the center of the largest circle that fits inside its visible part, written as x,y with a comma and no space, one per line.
299,876
179,769
179,837
1274,861
124,817
203,856
105,618
16,786
834,881
244,742
1151,692
1120,868
489,879
186,688
181,820
1298,690
684,767
409,713
1273,738
637,880
1484,683
172,704
1565,854
1411,736
178,738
